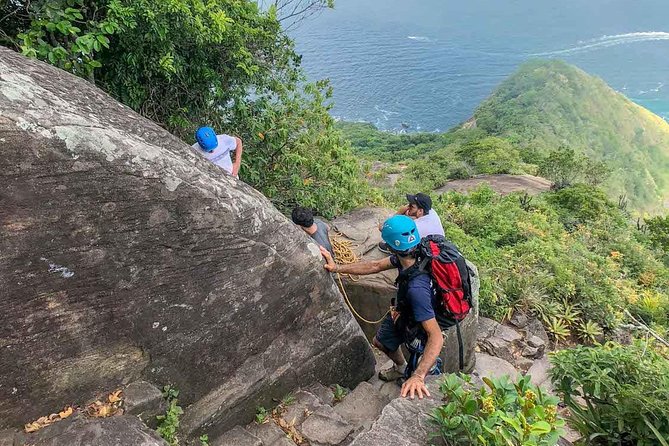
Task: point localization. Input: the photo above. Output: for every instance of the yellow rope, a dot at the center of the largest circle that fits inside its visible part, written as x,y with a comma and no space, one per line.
344,254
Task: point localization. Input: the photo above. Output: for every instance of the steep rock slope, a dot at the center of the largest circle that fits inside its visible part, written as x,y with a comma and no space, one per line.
124,254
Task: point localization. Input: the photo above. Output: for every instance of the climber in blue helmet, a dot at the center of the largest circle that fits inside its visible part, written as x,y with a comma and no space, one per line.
217,149
414,314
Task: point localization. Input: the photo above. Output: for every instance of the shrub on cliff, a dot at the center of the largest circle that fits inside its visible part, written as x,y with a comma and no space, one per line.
501,413
617,395
569,257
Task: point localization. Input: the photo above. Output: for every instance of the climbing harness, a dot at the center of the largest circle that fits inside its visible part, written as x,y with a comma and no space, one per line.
344,254
416,349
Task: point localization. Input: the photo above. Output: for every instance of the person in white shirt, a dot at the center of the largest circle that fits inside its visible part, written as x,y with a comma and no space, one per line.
217,149
427,221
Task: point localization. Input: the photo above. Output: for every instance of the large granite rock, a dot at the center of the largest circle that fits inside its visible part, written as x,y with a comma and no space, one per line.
371,295
124,254
494,367
112,431
404,422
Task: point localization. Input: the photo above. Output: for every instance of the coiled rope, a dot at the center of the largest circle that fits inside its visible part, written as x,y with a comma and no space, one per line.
344,254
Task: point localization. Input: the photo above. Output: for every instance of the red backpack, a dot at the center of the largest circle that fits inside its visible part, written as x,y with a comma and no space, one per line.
450,275
448,270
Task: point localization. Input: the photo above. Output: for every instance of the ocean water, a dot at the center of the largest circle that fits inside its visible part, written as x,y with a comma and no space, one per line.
424,65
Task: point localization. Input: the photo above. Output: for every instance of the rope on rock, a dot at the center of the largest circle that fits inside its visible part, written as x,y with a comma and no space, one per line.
343,250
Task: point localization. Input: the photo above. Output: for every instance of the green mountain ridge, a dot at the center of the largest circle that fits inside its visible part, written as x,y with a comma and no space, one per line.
547,105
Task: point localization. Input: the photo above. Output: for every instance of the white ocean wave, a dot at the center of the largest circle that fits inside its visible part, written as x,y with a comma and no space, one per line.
385,113
608,41
420,38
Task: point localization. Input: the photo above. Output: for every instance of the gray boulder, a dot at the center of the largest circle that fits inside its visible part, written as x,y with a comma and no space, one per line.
237,437
113,431
535,328
304,403
126,255
362,406
323,393
539,373
499,340
268,433
404,422
494,367
325,427
144,400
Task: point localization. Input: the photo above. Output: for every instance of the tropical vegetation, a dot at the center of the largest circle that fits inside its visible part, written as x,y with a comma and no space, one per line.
501,413
616,395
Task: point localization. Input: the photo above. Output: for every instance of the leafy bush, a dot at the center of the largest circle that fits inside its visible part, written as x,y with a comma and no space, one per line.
617,395
262,415
658,230
504,413
491,155
577,278
168,424
565,167
581,203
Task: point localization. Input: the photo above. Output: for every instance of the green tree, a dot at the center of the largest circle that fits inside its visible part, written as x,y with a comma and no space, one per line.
491,155
658,231
565,167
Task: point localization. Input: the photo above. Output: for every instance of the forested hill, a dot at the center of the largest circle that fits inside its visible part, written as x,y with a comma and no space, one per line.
548,105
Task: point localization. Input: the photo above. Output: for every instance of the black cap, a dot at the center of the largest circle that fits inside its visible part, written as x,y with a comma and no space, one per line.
421,200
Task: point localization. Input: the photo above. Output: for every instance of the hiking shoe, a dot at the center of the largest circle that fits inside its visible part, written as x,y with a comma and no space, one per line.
390,374
383,247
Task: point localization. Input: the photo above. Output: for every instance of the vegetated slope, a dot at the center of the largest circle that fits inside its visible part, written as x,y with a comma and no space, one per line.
548,105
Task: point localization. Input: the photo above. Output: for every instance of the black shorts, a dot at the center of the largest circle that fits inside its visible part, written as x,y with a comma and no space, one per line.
388,335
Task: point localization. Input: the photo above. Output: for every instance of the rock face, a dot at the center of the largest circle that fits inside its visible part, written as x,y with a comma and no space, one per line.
404,422
124,254
501,183
113,431
371,295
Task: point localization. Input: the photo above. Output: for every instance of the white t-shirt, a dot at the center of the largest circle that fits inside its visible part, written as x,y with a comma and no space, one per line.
221,154
429,224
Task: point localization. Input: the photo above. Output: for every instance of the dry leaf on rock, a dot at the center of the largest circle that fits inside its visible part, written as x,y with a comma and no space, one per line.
66,412
115,397
32,427
41,422
99,409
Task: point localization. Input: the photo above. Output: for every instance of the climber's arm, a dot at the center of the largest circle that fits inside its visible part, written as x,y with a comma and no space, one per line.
359,268
435,341
238,157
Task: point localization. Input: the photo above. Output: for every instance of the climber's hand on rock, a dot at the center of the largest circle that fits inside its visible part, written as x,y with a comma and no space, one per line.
330,265
414,385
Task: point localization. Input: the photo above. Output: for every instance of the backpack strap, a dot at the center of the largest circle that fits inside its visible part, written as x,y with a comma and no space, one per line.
461,350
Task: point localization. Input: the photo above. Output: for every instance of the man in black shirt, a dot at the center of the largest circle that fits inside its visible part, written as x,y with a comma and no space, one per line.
316,228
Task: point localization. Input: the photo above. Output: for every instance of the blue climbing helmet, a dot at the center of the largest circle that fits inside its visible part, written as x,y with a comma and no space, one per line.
206,138
400,233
